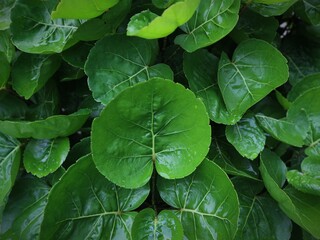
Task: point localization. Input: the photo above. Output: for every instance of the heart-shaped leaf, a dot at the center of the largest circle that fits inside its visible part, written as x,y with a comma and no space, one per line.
81,9
45,156
158,124
212,21
149,25
90,205
118,62
255,70
33,30
148,225
206,202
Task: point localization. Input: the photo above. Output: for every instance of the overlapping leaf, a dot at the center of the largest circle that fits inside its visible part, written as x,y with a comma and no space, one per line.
5,11
4,70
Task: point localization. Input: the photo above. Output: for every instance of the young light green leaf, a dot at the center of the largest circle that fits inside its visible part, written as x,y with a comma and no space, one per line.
200,68
45,156
81,9
90,205
118,62
23,214
148,225
6,46
212,21
51,127
30,72
5,11
149,25
33,30
247,137
4,70
158,124
255,70
304,85
206,202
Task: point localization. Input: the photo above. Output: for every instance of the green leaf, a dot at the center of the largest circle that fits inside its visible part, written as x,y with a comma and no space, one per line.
9,165
148,225
149,25
33,30
30,72
6,45
311,166
5,11
200,68
90,205
212,21
156,123
77,55
163,3
42,157
51,127
275,9
283,101
270,1
255,70
4,70
314,149
11,107
302,208
206,202
247,137
260,216
312,10
81,9
23,214
118,62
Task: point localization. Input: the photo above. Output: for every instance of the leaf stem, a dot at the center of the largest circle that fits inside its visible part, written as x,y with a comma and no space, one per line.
153,191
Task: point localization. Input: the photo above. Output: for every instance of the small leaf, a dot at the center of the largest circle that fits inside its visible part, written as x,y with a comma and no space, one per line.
247,137
151,26
5,6
90,205
156,123
4,70
206,202
148,225
45,156
251,75
51,127
212,21
30,72
81,9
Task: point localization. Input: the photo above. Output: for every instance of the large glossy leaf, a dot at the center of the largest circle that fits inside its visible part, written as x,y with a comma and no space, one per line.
90,206
302,208
9,166
81,9
148,225
247,137
158,124
33,30
45,156
118,62
212,21
206,202
30,72
255,70
5,10
51,127
6,46
260,217
4,70
200,68
23,214
149,25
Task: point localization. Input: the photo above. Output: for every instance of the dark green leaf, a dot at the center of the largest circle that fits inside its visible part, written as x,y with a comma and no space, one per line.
77,55
11,107
118,62
4,70
212,21
255,70
206,202
42,157
158,124
6,45
90,206
148,225
312,10
5,11
51,127
275,9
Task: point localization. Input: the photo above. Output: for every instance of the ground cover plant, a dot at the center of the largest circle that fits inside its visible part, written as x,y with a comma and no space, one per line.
149,119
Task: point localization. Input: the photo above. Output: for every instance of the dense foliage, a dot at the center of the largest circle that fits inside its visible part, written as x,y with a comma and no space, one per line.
150,119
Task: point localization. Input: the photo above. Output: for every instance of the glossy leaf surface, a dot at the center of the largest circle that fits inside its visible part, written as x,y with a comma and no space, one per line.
51,127
81,9
306,84
206,202
274,9
148,225
145,122
255,70
45,156
149,25
6,46
212,21
90,205
118,62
